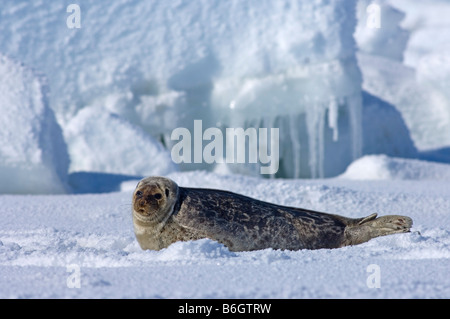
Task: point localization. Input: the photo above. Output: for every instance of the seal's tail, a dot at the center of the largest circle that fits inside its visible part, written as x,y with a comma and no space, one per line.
369,227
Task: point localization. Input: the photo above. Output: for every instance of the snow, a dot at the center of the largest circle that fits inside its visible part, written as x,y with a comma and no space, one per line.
103,142
402,86
382,167
43,238
405,62
33,154
364,119
426,23
379,31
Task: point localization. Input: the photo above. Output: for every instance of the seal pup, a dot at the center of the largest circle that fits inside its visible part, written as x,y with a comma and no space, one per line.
164,213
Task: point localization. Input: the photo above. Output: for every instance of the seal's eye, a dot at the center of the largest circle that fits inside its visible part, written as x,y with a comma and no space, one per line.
158,196
167,192
139,193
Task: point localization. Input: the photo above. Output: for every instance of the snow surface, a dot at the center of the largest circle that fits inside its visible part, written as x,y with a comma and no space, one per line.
382,167
43,237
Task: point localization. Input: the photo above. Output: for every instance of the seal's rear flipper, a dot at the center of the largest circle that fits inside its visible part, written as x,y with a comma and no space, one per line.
368,218
371,227
390,224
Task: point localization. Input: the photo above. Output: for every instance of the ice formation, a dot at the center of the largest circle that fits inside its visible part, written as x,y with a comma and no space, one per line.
33,154
313,94
300,66
287,64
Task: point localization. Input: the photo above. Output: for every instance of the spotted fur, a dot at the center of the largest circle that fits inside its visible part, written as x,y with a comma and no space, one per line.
164,213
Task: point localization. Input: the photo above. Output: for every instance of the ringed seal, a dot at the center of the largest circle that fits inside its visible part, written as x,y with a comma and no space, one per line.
164,213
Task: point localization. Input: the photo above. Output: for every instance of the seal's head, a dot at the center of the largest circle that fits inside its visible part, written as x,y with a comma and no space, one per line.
154,199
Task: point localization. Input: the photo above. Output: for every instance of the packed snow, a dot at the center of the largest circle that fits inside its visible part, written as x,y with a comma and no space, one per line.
47,241
358,90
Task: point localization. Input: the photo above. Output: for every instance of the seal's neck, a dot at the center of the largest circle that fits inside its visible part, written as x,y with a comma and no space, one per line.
155,222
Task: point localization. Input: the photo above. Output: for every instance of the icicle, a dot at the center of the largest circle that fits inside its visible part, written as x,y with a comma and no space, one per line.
295,141
313,123
355,107
321,137
310,120
333,114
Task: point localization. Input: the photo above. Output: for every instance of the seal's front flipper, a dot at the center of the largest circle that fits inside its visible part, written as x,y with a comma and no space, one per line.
371,227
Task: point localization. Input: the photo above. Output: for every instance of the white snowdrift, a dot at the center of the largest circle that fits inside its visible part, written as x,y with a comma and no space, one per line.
103,142
382,167
33,154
